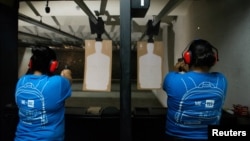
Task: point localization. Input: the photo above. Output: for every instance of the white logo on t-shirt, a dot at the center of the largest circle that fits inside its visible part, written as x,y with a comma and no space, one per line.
31,103
209,103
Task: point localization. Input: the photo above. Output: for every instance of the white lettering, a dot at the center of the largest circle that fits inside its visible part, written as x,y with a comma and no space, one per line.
216,132
198,103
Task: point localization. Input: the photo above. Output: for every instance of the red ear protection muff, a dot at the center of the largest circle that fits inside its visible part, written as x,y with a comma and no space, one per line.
187,57
53,66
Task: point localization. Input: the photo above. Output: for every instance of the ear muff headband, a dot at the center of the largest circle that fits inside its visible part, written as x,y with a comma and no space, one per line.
52,68
187,55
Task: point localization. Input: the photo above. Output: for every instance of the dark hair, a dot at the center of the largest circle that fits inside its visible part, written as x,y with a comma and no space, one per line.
41,59
202,53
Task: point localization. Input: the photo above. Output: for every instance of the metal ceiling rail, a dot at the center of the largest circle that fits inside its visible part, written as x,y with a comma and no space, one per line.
37,13
33,36
92,17
49,41
32,8
167,9
85,8
103,7
48,27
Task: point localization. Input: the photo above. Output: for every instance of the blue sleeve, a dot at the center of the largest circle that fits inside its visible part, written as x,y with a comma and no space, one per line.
66,88
167,80
224,82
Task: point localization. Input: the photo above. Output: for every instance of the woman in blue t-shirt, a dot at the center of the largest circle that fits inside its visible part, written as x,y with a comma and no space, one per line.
40,96
195,98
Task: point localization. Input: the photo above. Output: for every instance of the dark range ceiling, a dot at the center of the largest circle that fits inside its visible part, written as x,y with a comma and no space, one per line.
66,23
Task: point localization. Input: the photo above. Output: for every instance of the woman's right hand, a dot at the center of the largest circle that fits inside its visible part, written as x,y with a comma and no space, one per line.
181,66
67,74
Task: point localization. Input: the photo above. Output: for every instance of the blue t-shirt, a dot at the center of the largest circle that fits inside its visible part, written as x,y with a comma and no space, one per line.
40,100
195,100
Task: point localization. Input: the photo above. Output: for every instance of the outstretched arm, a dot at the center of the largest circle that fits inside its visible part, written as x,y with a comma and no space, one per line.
67,74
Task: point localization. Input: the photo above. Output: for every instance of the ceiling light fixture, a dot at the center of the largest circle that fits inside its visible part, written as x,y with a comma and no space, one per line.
47,8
